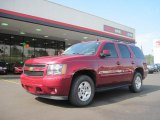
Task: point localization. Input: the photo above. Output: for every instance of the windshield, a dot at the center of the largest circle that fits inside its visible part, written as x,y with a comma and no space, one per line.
2,64
20,64
85,48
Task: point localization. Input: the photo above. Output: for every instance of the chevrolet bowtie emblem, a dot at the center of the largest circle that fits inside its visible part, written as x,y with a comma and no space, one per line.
31,69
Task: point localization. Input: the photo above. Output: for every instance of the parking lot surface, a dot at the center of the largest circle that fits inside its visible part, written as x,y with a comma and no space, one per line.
118,104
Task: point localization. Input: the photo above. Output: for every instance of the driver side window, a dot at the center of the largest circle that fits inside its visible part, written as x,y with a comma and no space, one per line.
111,47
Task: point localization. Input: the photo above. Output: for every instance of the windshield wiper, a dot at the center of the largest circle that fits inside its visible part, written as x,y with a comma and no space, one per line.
73,54
77,53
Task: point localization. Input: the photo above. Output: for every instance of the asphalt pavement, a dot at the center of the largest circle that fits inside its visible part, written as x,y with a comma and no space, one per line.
118,104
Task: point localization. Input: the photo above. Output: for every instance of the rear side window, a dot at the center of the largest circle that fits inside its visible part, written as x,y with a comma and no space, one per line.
125,53
111,47
137,52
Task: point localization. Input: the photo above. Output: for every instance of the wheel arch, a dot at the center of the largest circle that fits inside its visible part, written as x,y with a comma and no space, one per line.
140,70
88,72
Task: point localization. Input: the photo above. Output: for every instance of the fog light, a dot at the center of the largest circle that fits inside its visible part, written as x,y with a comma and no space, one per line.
53,91
38,90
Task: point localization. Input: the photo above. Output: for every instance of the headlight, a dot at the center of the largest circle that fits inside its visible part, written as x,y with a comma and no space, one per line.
56,69
4,68
16,68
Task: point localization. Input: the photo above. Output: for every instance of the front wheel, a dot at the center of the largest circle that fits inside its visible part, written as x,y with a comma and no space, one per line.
136,85
82,91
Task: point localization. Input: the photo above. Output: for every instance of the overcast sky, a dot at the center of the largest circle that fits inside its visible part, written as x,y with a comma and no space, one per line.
142,15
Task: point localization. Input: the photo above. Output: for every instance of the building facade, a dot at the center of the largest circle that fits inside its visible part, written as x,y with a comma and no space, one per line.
40,28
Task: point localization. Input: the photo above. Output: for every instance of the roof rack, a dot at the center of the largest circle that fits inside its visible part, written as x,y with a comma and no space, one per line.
126,42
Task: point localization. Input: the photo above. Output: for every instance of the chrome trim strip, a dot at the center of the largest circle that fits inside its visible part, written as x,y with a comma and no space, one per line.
36,65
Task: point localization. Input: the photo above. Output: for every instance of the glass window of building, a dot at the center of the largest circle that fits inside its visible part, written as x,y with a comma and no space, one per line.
14,48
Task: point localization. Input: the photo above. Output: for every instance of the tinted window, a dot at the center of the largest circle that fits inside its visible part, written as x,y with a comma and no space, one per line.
2,64
19,64
137,52
111,47
124,51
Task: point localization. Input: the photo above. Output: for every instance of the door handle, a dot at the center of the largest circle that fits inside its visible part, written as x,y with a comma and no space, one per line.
118,63
132,62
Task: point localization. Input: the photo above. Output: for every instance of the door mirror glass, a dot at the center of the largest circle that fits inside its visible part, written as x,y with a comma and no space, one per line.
105,53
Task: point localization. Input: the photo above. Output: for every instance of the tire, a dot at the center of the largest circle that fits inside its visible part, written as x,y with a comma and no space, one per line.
6,73
152,72
82,91
14,71
136,85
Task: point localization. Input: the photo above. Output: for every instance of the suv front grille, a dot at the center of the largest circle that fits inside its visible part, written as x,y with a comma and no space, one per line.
34,69
33,73
34,65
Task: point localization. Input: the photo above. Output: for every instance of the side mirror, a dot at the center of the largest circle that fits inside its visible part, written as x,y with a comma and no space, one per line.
105,53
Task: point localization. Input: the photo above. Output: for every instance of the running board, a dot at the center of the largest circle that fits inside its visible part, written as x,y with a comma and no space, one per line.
100,89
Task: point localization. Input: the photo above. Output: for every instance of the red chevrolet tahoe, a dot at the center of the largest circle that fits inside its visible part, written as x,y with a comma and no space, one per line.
84,69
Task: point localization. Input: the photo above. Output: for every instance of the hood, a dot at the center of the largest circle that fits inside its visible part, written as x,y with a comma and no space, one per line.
58,59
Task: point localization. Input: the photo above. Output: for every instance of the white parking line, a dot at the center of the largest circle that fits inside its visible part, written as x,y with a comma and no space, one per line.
11,82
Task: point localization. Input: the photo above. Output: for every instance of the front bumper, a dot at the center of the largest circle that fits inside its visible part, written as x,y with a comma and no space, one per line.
53,97
51,87
150,70
2,71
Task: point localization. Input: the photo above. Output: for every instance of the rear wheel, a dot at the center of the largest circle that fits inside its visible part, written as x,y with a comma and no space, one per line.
82,91
136,85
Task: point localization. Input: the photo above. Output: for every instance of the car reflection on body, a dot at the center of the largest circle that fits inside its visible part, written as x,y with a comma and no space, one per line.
158,67
155,68
151,68
3,67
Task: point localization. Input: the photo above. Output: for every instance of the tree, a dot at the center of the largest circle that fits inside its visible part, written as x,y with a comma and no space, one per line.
149,59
